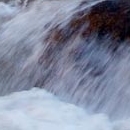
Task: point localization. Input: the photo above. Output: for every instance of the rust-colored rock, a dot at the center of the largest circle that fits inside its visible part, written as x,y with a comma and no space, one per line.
110,17
71,29
105,18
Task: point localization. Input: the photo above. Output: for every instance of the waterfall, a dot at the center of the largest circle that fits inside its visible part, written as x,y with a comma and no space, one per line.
42,45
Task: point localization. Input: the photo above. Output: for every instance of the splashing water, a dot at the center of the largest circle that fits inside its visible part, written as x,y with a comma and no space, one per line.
37,109
82,72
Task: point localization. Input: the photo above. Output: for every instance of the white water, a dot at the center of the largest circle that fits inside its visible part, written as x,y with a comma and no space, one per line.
22,43
38,110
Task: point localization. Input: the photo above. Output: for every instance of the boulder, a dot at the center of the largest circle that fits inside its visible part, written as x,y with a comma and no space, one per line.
104,18
110,17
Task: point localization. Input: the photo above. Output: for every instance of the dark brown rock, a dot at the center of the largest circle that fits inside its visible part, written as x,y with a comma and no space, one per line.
105,18
110,17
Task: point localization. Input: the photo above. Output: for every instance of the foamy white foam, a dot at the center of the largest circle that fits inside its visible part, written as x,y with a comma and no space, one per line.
7,10
38,110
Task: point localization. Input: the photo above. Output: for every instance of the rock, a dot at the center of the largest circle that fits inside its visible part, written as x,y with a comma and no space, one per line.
105,18
110,17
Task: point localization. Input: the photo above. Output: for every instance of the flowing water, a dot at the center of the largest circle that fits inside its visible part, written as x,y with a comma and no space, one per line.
83,72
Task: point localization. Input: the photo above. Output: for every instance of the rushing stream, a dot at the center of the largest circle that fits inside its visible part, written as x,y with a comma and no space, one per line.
39,47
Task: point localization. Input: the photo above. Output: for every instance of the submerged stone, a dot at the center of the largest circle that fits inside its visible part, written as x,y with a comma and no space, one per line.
110,17
104,18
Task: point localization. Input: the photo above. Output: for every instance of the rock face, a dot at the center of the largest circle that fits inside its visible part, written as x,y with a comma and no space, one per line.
110,17
105,18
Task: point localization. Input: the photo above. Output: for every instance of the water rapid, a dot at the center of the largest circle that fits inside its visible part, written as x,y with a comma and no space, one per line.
40,48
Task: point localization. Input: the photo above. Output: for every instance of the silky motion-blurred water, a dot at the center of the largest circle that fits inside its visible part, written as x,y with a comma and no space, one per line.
82,72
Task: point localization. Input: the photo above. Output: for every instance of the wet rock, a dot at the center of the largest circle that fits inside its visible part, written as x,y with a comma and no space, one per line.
104,18
110,17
